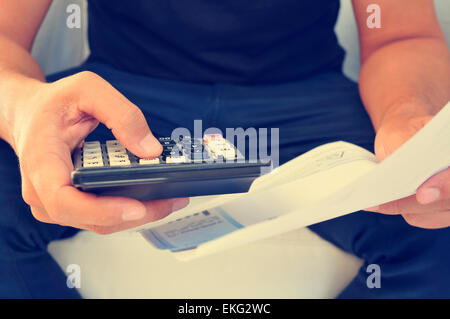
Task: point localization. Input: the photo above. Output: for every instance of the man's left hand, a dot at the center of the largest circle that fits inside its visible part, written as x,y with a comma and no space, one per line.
430,206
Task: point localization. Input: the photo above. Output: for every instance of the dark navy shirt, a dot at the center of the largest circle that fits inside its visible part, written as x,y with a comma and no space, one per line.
234,41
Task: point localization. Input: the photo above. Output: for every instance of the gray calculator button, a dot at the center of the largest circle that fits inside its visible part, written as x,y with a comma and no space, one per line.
144,161
175,159
119,162
97,163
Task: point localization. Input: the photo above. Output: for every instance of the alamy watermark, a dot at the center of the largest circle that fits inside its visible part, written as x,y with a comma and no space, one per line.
73,20
73,276
374,279
374,19
252,144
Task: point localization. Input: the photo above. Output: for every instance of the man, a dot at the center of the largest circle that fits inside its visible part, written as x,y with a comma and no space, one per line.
234,63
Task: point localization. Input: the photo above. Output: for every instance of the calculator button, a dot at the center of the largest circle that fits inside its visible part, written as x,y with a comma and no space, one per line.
91,144
117,151
174,150
93,163
87,152
92,157
115,147
144,161
117,156
185,139
197,148
113,143
93,151
92,148
119,162
197,151
175,159
208,138
176,153
229,153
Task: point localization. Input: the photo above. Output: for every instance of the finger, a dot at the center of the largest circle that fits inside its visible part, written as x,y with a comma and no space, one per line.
409,205
67,205
72,206
156,210
392,208
435,189
432,220
388,140
377,209
392,135
132,214
125,119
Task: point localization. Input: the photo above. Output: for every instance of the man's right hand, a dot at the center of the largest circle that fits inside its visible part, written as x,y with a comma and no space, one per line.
49,121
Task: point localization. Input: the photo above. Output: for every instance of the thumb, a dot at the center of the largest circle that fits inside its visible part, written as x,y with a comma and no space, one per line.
394,133
126,120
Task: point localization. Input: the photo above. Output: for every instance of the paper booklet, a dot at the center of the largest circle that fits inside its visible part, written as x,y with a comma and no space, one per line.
329,181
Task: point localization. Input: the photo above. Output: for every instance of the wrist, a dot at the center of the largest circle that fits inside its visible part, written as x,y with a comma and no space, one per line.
16,92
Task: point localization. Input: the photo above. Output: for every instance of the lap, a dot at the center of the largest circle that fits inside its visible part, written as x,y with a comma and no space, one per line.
321,109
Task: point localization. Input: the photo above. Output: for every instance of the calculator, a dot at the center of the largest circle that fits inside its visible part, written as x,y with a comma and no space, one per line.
187,167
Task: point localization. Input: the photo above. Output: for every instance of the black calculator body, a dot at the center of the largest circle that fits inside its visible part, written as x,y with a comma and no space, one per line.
187,167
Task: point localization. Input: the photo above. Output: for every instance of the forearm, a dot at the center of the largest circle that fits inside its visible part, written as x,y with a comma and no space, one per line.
408,75
19,72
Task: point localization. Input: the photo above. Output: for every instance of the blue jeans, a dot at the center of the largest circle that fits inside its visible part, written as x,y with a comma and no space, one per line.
323,108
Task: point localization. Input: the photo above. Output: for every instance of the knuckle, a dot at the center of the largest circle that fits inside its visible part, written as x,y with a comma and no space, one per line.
84,77
443,205
131,116
69,91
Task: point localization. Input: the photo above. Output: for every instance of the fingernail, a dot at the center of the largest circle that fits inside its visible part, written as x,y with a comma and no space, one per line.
374,208
428,195
180,203
133,214
149,143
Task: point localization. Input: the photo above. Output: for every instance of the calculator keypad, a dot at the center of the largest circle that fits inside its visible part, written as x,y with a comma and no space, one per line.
213,147
92,155
117,154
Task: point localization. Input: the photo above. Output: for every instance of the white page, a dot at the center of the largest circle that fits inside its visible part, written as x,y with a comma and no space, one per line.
312,174
310,199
